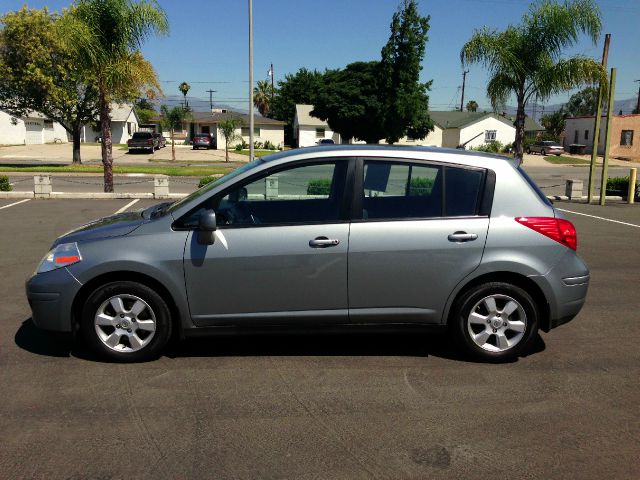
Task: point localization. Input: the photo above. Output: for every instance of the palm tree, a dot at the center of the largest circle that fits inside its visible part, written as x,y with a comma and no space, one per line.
107,36
228,129
184,87
526,60
173,119
472,106
262,95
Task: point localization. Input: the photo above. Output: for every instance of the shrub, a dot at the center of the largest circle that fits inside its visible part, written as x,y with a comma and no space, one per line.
508,148
268,145
245,145
205,180
620,186
420,186
257,144
491,147
5,186
238,147
319,187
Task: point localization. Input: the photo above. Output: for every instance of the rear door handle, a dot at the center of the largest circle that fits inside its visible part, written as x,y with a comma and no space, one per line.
323,242
462,237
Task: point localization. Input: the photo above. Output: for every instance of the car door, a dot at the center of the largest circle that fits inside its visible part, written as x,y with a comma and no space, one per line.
280,249
421,229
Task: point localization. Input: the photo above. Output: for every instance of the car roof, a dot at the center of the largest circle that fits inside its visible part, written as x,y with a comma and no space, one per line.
381,150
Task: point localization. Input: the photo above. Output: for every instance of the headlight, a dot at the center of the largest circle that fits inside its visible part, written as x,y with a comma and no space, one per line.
63,255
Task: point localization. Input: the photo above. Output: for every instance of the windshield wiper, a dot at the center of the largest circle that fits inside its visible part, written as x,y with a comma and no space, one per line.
157,210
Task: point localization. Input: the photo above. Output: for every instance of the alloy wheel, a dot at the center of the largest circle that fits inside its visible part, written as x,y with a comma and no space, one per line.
125,323
497,323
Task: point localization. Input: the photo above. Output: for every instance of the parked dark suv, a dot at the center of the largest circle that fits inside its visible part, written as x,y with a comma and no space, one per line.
203,140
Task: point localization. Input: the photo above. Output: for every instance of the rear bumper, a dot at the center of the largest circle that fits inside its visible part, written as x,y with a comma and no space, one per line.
565,286
51,297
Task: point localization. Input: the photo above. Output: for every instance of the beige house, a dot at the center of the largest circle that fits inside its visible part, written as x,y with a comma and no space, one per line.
309,130
265,129
625,130
124,123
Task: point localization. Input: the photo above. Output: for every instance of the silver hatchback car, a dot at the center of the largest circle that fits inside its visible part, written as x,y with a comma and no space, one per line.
324,237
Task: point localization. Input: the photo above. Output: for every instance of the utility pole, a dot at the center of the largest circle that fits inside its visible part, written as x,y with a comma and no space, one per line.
251,80
596,124
638,104
607,138
464,79
272,90
211,92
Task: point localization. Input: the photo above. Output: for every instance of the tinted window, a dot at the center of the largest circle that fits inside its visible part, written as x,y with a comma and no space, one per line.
298,195
395,190
142,135
462,191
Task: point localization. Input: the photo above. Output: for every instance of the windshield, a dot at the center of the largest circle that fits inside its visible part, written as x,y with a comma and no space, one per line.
201,191
141,135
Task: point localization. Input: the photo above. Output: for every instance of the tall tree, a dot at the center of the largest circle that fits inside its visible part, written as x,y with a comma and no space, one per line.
38,73
301,87
352,102
228,129
184,88
144,109
526,60
472,106
262,95
405,97
174,119
107,36
583,103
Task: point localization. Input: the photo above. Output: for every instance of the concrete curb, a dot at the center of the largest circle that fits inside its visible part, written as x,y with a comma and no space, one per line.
88,195
581,199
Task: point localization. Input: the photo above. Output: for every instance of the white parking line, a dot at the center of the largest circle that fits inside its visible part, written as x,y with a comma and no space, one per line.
600,218
128,205
15,203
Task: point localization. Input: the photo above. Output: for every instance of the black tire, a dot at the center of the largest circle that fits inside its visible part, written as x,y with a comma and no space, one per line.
543,153
156,343
529,151
461,310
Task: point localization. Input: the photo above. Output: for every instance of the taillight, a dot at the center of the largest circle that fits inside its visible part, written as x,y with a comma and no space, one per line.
562,231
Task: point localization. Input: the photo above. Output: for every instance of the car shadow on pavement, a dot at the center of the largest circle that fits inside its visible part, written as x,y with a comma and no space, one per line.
348,343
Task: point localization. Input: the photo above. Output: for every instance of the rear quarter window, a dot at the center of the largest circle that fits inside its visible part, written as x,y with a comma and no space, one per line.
535,187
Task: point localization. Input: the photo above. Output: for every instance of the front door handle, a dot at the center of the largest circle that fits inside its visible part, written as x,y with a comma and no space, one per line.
323,242
462,237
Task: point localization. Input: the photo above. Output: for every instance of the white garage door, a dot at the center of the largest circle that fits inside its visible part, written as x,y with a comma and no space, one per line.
34,132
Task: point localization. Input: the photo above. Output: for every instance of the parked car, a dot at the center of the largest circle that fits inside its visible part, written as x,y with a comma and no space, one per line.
162,141
203,140
143,141
546,147
326,141
324,237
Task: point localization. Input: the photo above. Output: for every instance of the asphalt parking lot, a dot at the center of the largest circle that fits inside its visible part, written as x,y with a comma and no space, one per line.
351,406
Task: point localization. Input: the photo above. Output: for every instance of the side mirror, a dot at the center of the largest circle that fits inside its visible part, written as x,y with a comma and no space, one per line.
206,227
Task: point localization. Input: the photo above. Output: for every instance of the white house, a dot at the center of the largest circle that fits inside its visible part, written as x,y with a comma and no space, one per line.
124,122
264,129
309,130
33,129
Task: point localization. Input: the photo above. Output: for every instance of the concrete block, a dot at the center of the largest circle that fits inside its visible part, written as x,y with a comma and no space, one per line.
42,186
161,187
573,188
271,187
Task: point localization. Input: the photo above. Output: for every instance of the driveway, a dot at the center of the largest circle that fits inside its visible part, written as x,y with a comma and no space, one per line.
91,153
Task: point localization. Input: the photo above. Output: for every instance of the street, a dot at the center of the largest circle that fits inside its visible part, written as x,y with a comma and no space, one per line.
349,406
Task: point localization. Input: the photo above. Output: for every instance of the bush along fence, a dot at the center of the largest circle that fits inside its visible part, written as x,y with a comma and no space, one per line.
5,186
619,186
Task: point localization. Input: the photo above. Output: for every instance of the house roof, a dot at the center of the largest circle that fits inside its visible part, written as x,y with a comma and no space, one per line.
457,119
121,112
208,117
303,112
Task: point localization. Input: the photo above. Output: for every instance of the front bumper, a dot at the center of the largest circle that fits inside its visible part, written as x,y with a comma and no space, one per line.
50,296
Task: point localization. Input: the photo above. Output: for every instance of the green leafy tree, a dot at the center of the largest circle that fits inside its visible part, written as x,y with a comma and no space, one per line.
554,123
583,103
301,87
107,36
228,129
405,97
262,95
174,119
352,101
38,73
527,61
184,88
472,106
144,109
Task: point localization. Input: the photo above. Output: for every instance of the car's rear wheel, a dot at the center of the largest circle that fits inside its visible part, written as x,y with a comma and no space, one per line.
126,322
494,321
529,151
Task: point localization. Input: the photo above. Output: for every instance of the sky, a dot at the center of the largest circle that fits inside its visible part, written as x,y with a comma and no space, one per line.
208,43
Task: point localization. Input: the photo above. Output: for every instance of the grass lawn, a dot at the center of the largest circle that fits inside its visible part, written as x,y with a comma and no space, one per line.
562,160
177,171
256,153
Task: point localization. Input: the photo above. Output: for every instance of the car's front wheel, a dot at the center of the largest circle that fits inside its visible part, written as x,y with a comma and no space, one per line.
126,322
495,321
